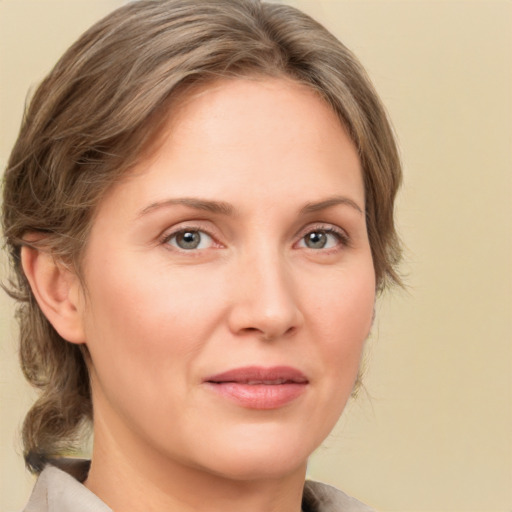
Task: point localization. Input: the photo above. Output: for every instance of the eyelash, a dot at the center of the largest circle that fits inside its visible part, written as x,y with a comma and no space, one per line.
186,229
341,236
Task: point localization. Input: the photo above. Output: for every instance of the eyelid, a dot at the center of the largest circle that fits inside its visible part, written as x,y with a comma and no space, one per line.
184,227
341,233
325,227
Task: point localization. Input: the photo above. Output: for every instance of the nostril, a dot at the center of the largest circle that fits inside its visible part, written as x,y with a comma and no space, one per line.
272,311
250,329
269,334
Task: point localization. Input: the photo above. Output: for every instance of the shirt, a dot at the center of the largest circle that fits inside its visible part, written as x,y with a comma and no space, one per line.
61,490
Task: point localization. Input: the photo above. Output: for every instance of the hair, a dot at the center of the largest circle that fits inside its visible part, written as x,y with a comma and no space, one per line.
101,107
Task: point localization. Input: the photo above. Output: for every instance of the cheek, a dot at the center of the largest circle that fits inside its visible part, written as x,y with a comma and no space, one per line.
142,319
343,316
345,299
140,339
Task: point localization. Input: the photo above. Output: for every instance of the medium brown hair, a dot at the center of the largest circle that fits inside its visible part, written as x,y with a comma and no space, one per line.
96,112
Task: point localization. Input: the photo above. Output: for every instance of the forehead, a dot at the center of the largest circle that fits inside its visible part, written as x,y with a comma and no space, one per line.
249,104
263,133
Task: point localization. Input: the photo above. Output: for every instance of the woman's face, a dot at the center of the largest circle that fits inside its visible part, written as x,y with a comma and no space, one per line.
230,285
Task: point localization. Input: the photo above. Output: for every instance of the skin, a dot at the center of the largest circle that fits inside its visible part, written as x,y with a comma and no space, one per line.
158,318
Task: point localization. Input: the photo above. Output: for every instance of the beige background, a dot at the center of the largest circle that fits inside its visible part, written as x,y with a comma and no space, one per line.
436,434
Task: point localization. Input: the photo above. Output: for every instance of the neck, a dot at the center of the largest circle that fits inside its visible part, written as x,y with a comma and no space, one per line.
132,478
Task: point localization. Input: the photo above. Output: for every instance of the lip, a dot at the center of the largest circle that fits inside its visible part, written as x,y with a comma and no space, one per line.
256,387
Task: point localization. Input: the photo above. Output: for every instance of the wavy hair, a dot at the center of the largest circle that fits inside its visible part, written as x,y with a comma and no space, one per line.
98,111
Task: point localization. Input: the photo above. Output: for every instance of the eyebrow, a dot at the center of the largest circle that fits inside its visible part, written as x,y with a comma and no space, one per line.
329,203
223,208
218,207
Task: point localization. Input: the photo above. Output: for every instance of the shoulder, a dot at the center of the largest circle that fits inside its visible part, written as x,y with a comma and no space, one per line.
60,490
320,497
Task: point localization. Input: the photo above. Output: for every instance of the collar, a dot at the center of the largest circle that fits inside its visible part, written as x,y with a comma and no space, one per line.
59,488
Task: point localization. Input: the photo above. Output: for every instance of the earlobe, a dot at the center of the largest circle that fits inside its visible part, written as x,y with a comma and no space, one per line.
57,291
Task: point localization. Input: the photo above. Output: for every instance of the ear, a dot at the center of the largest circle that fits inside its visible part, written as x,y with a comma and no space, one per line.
57,291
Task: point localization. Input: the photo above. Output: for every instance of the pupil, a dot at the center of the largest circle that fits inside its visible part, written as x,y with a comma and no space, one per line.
316,240
189,240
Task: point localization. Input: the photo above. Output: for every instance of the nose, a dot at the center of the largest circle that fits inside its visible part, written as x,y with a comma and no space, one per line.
265,299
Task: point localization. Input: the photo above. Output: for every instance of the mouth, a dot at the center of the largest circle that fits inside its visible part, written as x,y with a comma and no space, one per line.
255,387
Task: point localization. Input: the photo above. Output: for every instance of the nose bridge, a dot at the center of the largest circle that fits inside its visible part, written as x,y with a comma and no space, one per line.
266,298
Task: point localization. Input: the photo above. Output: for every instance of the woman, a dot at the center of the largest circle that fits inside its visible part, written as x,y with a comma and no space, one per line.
199,212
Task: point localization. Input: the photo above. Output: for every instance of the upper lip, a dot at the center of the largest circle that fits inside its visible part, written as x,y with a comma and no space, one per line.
260,375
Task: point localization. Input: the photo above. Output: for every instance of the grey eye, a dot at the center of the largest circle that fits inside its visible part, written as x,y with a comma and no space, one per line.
188,240
322,239
316,240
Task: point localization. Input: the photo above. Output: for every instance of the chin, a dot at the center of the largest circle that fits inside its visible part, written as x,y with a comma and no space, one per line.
259,454
258,467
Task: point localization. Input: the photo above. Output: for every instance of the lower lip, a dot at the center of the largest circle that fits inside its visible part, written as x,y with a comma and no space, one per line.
259,396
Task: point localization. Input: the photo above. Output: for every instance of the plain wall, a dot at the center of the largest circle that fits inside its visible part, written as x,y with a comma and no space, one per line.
435,431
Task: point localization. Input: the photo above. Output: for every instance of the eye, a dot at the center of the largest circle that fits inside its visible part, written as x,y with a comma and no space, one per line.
323,239
190,239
